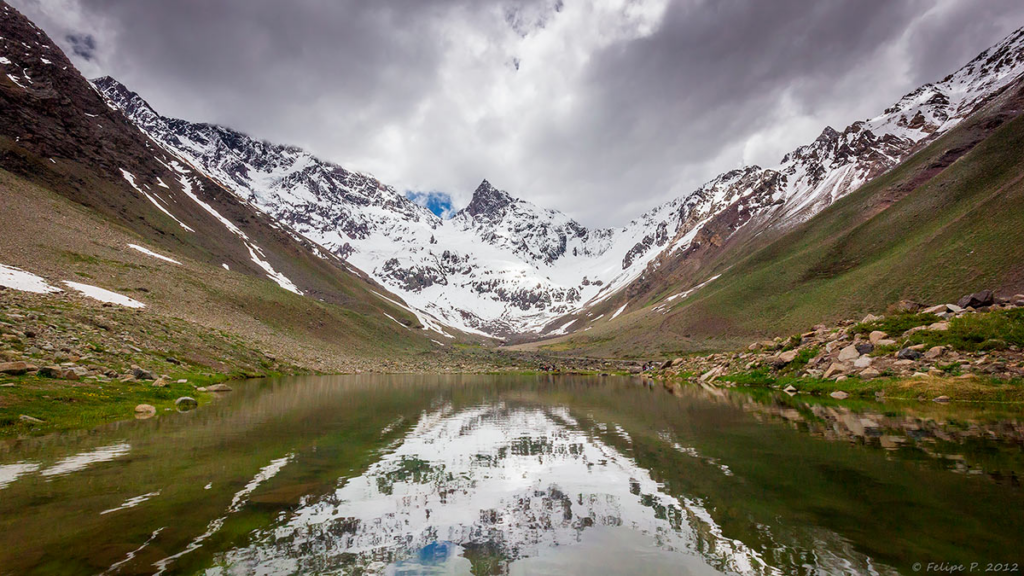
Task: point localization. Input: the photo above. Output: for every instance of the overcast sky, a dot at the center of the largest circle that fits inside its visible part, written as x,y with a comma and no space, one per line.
599,108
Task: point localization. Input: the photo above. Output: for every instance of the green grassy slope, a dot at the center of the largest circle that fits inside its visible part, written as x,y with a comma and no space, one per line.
947,221
51,236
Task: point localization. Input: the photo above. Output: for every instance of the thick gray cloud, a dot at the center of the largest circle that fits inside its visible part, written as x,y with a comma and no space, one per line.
599,108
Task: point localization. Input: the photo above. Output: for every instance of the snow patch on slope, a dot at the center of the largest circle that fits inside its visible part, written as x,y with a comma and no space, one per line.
18,279
104,295
255,252
131,180
149,252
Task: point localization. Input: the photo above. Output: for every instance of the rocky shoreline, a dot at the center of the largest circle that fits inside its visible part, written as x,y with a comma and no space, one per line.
68,363
976,339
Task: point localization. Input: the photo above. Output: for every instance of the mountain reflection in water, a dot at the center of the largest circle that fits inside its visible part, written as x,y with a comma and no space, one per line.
491,484
515,475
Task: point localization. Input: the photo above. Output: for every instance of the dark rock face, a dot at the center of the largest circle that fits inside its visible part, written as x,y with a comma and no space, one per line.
977,300
659,238
487,201
909,354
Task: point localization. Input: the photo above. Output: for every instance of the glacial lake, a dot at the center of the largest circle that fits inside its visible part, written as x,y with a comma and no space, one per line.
378,474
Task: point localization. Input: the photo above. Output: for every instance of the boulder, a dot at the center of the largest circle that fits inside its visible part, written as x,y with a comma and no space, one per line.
905,307
161,383
977,300
30,419
870,318
839,395
934,352
909,354
886,342
144,411
70,374
939,327
941,399
51,372
708,376
869,374
862,362
790,390
940,309
141,374
877,336
835,369
16,368
865,348
186,403
784,358
849,353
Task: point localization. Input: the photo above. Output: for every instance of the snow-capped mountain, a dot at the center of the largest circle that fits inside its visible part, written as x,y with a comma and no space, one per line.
504,266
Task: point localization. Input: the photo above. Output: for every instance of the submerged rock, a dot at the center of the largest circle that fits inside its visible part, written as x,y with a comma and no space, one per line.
186,403
144,411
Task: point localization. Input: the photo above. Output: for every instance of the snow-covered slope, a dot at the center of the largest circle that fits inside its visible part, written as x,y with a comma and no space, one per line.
505,266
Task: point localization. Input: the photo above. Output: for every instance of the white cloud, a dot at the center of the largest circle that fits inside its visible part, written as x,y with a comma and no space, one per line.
598,108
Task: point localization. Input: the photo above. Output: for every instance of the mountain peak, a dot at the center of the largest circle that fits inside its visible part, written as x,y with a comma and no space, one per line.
124,98
487,200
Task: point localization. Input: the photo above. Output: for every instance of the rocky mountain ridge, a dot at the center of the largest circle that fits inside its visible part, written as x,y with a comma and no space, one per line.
503,266
83,187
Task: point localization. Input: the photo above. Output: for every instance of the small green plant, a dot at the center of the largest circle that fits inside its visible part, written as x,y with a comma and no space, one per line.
793,342
978,332
951,369
801,360
896,324
756,377
885,350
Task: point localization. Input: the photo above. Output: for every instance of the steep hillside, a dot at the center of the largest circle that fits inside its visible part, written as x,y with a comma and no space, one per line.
945,222
82,185
505,267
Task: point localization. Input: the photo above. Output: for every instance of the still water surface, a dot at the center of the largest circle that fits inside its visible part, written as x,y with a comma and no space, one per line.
520,475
